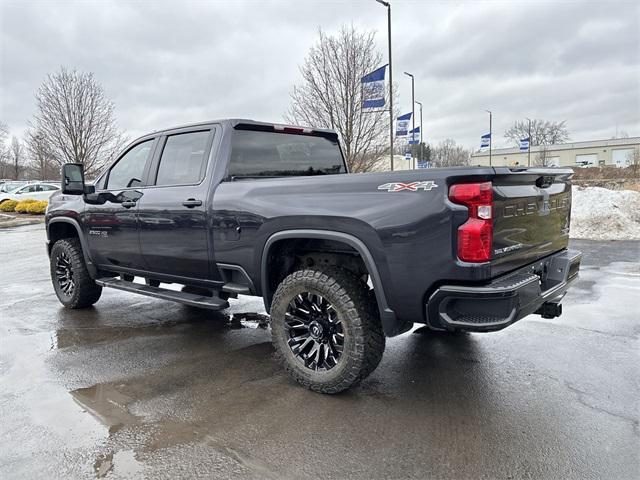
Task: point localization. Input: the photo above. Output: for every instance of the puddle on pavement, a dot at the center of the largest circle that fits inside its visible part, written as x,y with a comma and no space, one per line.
110,407
106,404
248,320
123,464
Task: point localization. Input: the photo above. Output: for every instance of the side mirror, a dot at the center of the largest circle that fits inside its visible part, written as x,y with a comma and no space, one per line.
73,178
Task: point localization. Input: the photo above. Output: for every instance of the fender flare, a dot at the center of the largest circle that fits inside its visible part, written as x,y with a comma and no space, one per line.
83,241
390,324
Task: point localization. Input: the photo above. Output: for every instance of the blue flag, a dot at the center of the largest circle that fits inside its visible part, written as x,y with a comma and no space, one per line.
414,136
373,89
402,125
524,144
485,140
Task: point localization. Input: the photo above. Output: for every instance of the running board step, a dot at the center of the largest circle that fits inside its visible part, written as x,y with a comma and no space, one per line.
236,288
201,301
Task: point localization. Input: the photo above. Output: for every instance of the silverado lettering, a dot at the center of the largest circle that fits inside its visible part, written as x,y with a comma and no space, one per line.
529,208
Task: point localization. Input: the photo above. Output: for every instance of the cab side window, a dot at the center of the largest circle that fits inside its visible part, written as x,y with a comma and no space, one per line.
128,171
184,159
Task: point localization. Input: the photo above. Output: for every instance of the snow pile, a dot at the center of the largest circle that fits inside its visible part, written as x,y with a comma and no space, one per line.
603,214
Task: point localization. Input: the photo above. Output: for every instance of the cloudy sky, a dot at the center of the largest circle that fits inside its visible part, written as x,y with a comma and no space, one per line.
167,63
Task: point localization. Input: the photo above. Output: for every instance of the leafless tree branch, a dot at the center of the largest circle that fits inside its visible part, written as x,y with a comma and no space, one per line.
543,132
75,120
330,95
16,157
448,154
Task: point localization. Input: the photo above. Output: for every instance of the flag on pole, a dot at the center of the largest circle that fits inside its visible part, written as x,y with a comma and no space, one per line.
485,140
524,144
402,125
373,89
415,136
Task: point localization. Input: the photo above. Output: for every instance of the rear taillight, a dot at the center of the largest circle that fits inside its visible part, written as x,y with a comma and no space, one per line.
475,236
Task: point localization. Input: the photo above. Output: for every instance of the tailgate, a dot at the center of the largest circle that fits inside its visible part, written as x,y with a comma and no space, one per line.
532,210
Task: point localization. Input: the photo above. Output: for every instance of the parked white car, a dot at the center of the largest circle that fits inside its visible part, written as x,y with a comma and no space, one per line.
35,191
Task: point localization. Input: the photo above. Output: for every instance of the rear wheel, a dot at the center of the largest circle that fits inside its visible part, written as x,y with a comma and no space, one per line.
71,281
325,329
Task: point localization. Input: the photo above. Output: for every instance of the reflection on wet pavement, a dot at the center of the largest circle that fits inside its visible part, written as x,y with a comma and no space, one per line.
82,327
137,387
123,464
106,404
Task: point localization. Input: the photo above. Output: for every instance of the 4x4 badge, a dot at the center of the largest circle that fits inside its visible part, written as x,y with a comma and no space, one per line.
412,187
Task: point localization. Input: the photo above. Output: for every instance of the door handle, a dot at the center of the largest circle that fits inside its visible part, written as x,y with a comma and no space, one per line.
192,202
128,203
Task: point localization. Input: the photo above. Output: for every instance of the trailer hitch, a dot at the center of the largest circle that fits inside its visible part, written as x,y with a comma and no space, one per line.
549,310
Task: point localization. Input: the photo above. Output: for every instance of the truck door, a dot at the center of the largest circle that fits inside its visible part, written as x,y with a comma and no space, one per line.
110,214
174,234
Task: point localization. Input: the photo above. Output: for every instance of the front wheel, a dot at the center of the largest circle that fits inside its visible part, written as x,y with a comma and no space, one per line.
325,329
73,285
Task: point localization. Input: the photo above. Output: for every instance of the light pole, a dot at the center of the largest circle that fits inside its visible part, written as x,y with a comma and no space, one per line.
490,135
529,149
420,154
388,5
413,111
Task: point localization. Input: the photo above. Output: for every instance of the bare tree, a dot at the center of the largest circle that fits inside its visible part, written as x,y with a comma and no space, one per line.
16,157
4,133
330,96
543,132
633,160
76,120
4,150
40,160
542,157
448,154
621,134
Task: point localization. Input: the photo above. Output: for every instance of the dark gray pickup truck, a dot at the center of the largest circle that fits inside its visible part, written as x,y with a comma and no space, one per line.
341,260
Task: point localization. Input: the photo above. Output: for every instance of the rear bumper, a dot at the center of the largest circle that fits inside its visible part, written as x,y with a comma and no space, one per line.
536,288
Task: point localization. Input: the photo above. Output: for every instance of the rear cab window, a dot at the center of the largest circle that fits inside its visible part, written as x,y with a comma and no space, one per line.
261,153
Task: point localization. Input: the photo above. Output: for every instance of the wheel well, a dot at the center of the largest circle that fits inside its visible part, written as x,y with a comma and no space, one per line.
291,254
60,230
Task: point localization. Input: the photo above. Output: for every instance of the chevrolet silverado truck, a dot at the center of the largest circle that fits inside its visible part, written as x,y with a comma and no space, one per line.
342,260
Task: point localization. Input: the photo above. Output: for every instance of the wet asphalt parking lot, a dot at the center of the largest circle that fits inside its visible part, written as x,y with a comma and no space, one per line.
137,387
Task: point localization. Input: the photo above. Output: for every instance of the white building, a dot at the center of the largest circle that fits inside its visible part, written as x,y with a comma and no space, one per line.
617,151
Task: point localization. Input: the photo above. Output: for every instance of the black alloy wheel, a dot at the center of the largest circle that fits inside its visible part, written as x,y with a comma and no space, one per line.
316,336
64,274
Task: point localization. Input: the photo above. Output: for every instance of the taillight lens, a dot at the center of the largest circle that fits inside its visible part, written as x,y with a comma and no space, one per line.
475,236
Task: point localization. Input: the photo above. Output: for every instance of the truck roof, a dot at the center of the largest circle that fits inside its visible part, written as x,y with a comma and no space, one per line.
235,121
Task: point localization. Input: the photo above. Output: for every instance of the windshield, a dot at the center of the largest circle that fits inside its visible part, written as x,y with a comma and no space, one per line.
270,154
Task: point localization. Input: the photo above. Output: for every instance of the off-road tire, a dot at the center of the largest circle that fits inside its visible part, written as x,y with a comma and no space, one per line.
364,339
85,292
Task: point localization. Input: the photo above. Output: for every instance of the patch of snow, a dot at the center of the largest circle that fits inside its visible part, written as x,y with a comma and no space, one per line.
603,214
